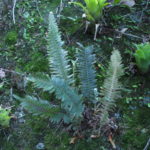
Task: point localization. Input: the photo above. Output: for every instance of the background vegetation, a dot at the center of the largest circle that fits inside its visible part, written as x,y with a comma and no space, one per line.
23,51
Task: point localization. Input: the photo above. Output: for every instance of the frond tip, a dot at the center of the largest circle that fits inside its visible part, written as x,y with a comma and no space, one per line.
57,56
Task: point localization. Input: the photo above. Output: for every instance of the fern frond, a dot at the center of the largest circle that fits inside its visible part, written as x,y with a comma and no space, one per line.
87,72
57,56
71,101
112,86
41,81
61,116
38,106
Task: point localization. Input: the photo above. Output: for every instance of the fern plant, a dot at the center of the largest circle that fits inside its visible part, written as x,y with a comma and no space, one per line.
59,82
69,104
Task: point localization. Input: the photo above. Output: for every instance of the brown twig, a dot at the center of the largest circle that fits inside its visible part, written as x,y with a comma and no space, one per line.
141,17
37,7
13,11
11,71
147,145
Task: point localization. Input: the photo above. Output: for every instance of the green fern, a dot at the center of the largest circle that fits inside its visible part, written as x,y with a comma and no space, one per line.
111,87
71,106
59,83
87,72
56,55
61,116
71,101
41,81
38,106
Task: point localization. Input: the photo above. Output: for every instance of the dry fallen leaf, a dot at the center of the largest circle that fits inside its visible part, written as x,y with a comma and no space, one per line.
111,141
129,3
94,136
123,30
73,140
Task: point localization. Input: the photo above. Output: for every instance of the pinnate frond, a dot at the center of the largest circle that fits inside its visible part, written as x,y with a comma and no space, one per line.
112,86
87,73
38,106
71,101
41,81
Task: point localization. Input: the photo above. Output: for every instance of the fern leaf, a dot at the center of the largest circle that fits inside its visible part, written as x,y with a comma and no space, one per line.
61,116
71,101
112,86
41,81
87,72
38,106
57,56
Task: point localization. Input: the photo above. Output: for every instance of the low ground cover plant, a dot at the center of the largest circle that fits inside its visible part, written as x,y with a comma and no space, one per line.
79,108
142,57
93,9
4,117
